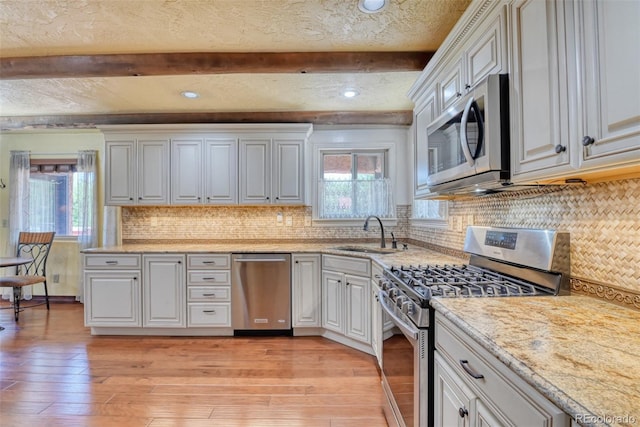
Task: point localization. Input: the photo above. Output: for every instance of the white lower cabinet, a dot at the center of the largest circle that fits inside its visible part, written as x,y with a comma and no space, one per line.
164,291
346,298
305,291
209,290
473,388
112,291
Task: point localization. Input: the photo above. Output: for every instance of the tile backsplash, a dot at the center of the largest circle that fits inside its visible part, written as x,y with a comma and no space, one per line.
603,220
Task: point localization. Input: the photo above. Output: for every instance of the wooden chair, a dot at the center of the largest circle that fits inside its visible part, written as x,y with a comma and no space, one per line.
35,246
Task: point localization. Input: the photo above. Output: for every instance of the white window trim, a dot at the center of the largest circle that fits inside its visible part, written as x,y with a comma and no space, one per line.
320,147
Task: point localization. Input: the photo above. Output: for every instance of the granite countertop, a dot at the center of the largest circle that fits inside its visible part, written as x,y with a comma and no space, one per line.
582,353
414,255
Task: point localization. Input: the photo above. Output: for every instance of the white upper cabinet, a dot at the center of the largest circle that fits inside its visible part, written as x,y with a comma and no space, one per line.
203,170
422,118
185,165
120,173
255,171
153,171
186,168
220,171
539,90
608,38
271,171
137,170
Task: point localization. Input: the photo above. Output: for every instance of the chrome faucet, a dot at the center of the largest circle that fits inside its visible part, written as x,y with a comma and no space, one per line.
366,228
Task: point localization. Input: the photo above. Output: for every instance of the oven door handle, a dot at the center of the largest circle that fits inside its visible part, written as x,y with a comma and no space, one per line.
406,328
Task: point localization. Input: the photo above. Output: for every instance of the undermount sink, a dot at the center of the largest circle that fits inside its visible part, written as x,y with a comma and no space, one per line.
366,250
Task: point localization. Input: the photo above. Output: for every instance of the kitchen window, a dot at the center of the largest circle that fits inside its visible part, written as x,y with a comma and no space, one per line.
354,185
55,196
433,212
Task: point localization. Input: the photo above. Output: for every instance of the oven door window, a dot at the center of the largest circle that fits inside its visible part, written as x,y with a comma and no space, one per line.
398,367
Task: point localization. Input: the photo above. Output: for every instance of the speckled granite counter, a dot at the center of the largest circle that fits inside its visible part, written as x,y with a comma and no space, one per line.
581,353
414,255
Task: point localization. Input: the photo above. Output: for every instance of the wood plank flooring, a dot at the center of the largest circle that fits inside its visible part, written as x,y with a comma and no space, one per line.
54,373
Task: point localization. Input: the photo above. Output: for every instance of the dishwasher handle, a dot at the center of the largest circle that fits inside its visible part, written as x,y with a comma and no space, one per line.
260,260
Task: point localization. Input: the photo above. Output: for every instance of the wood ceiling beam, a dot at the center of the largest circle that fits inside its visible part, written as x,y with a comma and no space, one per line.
165,64
396,118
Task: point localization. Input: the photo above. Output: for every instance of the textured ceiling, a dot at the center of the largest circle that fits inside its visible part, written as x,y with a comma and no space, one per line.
89,27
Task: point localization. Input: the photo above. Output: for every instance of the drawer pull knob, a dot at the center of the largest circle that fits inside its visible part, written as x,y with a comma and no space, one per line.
468,370
463,412
209,311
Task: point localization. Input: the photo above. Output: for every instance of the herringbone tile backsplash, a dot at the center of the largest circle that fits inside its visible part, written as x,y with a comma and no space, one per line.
603,220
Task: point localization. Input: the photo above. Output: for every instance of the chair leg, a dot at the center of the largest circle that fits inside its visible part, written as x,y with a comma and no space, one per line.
46,294
17,294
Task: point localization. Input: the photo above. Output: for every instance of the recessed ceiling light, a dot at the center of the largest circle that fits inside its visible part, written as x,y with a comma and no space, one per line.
190,94
371,6
350,93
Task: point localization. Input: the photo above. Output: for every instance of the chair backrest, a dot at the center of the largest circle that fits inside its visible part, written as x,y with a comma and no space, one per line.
36,246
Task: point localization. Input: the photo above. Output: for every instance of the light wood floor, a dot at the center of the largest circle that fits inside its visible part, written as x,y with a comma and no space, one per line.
54,373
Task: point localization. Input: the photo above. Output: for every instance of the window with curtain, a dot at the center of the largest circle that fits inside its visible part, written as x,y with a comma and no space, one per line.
354,185
430,210
55,194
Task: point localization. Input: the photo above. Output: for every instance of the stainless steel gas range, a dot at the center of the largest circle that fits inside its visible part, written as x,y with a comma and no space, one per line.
504,262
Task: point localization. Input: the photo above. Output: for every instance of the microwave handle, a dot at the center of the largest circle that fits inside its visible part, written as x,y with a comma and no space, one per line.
464,142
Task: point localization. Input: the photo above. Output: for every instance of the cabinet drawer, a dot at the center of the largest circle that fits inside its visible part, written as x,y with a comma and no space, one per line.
209,278
517,400
209,261
119,262
213,315
357,266
208,293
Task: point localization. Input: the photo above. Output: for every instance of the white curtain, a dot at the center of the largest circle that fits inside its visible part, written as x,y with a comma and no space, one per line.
18,209
351,199
87,204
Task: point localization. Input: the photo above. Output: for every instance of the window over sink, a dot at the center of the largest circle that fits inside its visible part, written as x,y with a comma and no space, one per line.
355,184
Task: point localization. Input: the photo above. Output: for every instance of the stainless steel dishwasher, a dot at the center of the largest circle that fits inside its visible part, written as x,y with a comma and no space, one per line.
261,293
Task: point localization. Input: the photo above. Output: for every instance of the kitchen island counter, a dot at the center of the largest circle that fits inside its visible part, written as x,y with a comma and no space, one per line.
583,354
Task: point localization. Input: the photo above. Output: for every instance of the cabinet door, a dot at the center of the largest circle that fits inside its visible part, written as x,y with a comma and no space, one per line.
488,53
358,306
539,90
609,40
423,118
332,301
120,173
451,86
452,399
153,171
164,291
112,298
486,418
288,179
186,171
306,293
220,171
255,171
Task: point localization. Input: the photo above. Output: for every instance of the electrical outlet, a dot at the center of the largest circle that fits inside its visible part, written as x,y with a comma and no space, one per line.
279,219
307,221
5,223
56,278
289,221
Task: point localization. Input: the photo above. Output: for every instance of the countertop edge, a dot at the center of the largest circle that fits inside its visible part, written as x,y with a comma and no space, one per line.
544,387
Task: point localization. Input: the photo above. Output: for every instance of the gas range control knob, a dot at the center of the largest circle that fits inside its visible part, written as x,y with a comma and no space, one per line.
400,301
407,307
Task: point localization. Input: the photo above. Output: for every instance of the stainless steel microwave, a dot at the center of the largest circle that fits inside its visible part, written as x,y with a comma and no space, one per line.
468,145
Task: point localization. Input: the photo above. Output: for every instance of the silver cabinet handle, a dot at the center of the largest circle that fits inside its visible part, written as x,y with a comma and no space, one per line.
468,370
